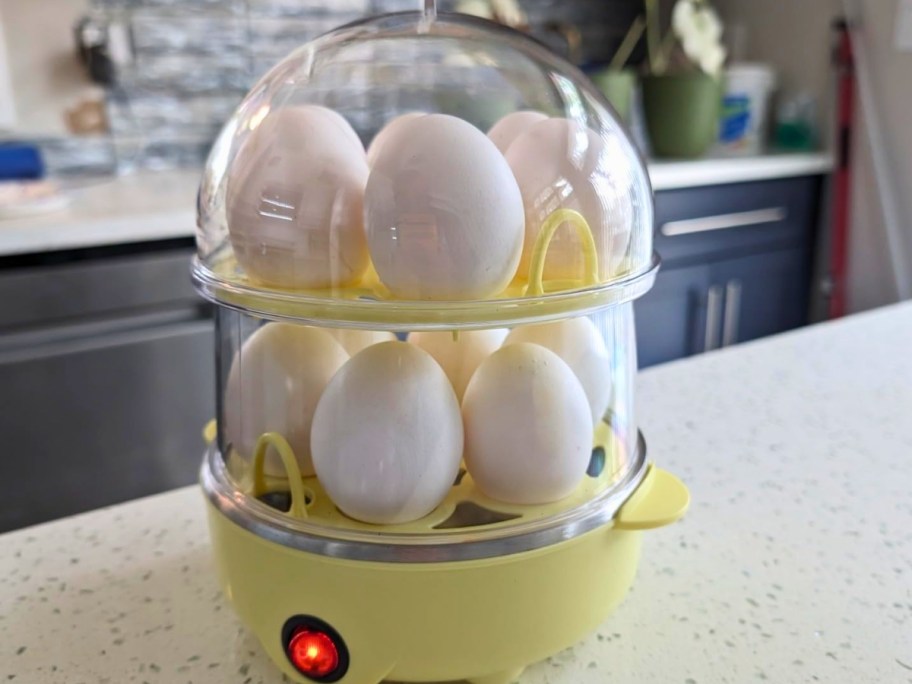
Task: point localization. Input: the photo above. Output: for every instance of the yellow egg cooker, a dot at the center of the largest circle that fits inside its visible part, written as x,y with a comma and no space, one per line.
476,590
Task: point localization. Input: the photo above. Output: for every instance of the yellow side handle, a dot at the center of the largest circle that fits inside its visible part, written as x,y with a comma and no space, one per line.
660,500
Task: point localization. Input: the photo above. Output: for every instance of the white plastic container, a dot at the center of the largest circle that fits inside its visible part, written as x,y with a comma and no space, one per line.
743,125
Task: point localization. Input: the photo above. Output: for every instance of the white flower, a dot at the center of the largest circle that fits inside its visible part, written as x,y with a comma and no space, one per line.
477,8
699,29
712,58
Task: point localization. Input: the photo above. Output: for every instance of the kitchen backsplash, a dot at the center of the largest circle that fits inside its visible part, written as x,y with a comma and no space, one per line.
183,65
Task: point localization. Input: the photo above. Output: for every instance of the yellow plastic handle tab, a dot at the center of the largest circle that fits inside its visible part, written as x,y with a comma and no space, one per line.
210,432
295,484
660,500
554,221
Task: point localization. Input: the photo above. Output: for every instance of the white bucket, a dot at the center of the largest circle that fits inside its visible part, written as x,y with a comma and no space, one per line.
745,107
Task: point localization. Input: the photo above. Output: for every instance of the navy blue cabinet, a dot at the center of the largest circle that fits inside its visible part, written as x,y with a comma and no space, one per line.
737,264
671,317
762,294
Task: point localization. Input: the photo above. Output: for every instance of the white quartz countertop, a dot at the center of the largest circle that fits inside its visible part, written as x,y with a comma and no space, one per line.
793,565
156,206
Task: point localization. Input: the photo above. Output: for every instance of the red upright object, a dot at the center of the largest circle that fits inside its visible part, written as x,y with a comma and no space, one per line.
838,265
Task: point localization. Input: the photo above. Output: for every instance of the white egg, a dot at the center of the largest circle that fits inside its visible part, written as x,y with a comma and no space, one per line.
507,129
578,342
461,353
389,134
339,121
528,429
355,340
560,163
443,212
387,435
294,202
274,385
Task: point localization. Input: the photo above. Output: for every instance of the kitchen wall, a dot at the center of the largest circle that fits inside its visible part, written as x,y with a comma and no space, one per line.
184,64
795,37
7,107
43,73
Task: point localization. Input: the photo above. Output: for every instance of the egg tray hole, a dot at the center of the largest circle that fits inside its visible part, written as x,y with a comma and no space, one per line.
280,499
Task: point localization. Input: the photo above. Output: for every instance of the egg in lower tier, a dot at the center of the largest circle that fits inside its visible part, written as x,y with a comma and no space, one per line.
460,353
354,341
294,201
528,426
578,342
274,385
387,435
559,163
443,212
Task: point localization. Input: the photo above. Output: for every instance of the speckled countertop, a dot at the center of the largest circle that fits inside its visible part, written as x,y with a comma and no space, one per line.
794,564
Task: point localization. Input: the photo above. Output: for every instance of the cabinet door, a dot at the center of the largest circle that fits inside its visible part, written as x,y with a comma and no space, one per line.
94,420
671,317
765,294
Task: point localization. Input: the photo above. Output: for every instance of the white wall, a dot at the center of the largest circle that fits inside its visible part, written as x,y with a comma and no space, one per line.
795,37
42,66
7,106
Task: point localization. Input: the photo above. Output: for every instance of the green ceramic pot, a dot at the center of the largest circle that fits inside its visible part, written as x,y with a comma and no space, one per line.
682,113
617,85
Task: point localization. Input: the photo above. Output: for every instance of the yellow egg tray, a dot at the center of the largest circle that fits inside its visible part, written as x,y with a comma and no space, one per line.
369,304
464,508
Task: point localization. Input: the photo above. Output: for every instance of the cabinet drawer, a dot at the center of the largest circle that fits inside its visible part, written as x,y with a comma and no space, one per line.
52,294
695,223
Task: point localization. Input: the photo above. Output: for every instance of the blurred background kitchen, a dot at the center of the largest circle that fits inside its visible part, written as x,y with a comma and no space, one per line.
777,135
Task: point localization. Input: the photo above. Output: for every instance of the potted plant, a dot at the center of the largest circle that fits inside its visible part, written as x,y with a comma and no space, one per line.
682,89
617,81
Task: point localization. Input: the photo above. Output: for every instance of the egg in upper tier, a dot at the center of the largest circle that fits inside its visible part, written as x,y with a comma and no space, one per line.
509,127
389,134
443,212
559,163
294,200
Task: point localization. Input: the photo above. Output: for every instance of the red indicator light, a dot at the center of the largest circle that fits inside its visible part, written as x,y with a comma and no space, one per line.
313,653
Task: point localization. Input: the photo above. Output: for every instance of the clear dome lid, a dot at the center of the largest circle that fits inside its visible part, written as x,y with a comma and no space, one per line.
425,233
416,169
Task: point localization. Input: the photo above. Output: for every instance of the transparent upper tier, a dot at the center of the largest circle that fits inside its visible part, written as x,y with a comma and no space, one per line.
417,171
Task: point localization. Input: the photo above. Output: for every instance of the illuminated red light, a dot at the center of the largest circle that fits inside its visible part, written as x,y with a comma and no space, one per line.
313,653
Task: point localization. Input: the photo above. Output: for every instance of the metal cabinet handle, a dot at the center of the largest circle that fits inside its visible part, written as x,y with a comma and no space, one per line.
723,221
713,313
57,342
732,314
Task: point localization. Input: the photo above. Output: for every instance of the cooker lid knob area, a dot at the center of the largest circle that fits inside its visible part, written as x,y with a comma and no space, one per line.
315,649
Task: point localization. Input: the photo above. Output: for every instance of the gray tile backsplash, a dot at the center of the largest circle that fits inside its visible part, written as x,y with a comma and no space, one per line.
191,61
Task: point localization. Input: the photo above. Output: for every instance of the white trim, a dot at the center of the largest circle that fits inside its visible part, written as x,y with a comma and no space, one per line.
670,175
